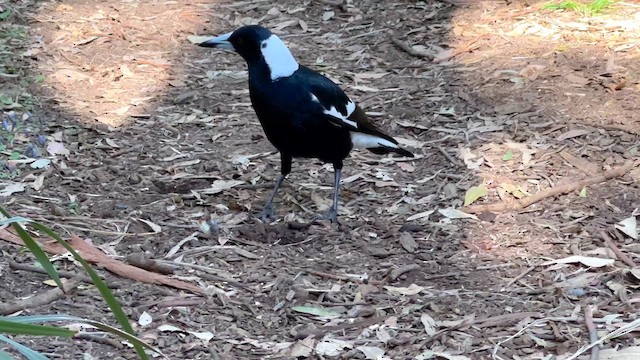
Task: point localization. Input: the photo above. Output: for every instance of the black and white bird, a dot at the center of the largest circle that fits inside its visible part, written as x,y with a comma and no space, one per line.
303,113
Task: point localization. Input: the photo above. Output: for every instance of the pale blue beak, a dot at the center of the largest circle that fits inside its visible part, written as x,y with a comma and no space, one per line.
219,42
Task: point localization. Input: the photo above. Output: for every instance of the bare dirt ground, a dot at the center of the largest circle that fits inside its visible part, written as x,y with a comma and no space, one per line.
148,134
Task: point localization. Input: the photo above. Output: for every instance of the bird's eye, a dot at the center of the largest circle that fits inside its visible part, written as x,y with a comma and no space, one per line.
264,45
240,41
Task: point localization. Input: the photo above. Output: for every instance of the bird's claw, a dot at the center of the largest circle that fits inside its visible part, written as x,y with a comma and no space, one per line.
267,214
331,215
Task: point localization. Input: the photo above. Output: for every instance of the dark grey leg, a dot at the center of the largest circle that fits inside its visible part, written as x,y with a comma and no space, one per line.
267,214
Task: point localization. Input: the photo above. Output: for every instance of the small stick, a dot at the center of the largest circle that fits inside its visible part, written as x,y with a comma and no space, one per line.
593,334
395,274
523,274
67,274
446,154
558,190
39,300
409,50
622,256
319,332
127,150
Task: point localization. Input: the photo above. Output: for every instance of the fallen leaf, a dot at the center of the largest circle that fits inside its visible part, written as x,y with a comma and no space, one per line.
406,166
323,313
195,39
328,15
220,185
451,213
408,243
331,347
573,133
154,227
424,214
507,156
513,190
474,193
11,188
629,353
471,160
430,354
584,260
577,80
629,226
57,148
40,164
412,289
303,348
429,324
145,319
38,183
371,352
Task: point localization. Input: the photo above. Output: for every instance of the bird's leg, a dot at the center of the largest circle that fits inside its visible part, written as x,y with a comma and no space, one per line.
267,214
332,213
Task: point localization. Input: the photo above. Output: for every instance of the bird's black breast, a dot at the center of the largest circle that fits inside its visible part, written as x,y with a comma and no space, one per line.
293,122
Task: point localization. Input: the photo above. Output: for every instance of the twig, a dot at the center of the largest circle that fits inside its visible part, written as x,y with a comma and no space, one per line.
446,154
523,274
593,334
67,274
622,256
126,150
99,339
558,190
458,50
318,333
40,299
340,4
395,274
409,50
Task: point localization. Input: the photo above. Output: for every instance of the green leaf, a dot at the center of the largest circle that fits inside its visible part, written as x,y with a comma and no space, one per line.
19,328
474,193
39,78
507,156
6,100
583,192
102,287
5,14
27,352
14,155
316,311
40,255
3,147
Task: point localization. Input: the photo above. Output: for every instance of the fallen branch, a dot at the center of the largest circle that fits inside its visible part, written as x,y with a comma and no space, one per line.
320,332
67,274
554,191
593,334
95,256
622,256
409,50
39,299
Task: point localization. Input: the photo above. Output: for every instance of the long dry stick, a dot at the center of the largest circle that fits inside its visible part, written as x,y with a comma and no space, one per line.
558,190
593,334
40,299
622,256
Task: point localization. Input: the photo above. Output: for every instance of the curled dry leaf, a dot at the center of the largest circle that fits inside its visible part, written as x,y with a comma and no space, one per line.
412,289
429,324
629,226
584,260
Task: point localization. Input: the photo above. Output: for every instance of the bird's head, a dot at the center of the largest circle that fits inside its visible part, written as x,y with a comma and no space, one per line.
258,45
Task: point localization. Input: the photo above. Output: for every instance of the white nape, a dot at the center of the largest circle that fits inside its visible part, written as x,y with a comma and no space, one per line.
367,141
279,59
351,107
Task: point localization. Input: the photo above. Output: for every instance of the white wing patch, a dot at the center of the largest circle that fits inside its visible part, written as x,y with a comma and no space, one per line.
367,141
351,107
279,59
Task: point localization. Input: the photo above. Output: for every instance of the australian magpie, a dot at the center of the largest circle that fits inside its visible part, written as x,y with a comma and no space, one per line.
303,113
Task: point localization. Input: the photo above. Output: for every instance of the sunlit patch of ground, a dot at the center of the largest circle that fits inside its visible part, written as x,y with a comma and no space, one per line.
107,61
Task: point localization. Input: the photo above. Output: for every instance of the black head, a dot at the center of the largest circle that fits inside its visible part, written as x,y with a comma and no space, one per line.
264,51
246,41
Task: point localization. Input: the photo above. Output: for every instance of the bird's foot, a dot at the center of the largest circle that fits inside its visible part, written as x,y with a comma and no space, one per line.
331,215
267,214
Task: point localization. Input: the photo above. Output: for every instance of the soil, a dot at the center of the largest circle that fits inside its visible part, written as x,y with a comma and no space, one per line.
154,134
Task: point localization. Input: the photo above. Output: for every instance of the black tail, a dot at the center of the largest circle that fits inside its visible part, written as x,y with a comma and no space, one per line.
382,150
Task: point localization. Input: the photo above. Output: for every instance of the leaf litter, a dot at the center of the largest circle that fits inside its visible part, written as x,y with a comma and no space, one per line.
198,153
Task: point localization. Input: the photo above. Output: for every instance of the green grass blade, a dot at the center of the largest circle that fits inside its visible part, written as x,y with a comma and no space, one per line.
104,290
19,328
27,352
33,246
29,319
5,356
